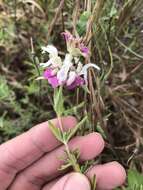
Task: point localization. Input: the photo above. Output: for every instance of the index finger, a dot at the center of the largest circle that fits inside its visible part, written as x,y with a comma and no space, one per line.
25,149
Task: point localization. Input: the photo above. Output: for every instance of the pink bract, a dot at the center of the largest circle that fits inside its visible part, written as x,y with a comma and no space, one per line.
67,35
84,49
52,79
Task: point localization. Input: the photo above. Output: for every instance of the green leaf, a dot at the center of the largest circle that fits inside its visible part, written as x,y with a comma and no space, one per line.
85,88
56,131
135,179
65,166
93,183
72,132
58,101
113,11
100,130
81,25
74,109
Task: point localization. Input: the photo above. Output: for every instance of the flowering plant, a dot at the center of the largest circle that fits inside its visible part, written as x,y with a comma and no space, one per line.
70,72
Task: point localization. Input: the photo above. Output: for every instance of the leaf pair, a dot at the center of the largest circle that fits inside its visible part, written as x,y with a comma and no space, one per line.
64,137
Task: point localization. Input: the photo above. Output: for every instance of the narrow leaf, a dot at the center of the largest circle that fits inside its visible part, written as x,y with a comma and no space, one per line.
74,130
58,101
56,131
93,182
74,109
63,167
134,178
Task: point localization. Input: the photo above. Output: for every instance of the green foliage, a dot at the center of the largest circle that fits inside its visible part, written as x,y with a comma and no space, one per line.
6,94
74,109
72,132
82,22
135,180
59,101
93,183
62,136
56,131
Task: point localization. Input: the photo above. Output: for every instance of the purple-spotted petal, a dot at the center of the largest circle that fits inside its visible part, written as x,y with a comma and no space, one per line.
79,81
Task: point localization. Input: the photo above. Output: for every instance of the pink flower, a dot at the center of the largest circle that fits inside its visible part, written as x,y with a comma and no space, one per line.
52,79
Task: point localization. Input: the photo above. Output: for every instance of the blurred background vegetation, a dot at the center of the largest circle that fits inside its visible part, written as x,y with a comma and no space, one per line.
115,104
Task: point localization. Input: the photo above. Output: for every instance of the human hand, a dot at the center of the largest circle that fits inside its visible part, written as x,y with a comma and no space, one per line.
31,161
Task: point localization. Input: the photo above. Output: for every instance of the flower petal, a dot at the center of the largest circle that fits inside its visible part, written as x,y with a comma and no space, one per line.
53,81
85,69
67,35
84,50
63,72
48,73
79,81
72,77
47,64
52,50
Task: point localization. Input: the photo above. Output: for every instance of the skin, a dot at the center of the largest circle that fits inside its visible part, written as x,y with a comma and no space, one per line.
31,161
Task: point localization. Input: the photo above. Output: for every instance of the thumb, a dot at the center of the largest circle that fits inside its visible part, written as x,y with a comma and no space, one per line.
72,181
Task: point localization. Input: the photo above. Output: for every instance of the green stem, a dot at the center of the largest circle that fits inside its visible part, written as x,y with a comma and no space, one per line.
72,159
71,156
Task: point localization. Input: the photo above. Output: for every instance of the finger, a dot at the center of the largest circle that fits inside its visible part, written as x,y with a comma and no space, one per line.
108,176
47,167
23,150
70,182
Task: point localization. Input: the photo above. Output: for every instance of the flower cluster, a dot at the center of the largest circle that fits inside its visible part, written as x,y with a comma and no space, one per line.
74,45
69,72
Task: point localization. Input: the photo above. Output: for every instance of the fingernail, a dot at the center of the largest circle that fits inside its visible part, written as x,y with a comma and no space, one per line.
77,181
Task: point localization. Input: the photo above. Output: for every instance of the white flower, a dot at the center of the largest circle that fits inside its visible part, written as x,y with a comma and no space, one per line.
85,70
68,70
72,77
63,72
54,61
52,50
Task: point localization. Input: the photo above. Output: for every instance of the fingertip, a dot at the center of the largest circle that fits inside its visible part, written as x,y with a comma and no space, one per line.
119,171
100,141
68,122
72,181
108,176
92,146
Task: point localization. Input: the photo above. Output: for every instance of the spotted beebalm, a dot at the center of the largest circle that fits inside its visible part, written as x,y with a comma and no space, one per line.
69,72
